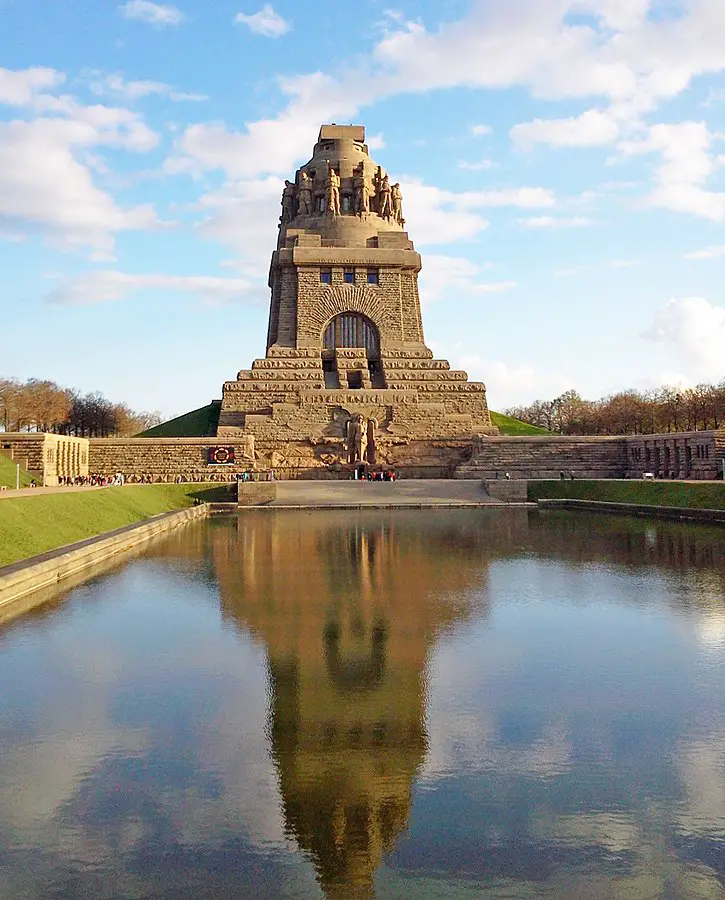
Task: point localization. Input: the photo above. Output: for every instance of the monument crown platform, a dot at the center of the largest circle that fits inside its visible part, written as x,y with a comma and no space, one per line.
347,377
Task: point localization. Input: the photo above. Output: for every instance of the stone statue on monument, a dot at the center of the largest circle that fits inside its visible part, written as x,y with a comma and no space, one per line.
397,202
362,190
385,208
304,195
248,452
288,203
357,439
332,198
371,443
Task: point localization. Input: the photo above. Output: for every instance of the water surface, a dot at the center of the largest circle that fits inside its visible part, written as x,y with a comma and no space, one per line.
405,704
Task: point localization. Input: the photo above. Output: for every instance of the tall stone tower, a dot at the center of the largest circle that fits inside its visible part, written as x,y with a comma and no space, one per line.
347,377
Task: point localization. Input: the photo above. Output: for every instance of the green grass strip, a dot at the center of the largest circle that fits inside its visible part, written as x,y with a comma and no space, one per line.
33,525
7,473
682,495
200,422
509,426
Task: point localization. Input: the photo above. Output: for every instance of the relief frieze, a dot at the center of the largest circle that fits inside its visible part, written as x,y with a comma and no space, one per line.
260,364
355,398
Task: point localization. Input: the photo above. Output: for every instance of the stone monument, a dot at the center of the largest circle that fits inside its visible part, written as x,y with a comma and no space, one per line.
347,377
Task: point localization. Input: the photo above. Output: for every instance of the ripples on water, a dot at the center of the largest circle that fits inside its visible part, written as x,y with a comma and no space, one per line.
404,704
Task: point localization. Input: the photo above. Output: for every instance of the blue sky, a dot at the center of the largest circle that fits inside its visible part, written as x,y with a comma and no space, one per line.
562,164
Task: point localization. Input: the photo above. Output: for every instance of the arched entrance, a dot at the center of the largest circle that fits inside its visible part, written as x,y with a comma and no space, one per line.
350,329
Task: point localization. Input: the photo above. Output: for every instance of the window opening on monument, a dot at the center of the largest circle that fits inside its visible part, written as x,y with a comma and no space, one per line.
352,330
377,380
332,377
349,276
372,276
346,203
326,276
354,379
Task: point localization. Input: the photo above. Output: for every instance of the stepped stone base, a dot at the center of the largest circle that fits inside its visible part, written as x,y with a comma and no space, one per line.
427,415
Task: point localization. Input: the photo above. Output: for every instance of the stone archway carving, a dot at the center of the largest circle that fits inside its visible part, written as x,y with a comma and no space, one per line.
353,299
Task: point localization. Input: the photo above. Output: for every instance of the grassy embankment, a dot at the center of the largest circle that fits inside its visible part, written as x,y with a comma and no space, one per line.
33,525
200,422
7,474
683,495
509,426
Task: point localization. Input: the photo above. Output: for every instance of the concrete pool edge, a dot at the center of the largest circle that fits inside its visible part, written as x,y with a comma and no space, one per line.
29,576
682,514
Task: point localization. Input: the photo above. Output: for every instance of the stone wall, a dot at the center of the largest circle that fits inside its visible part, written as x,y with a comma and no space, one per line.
163,459
697,455
522,457
547,457
690,454
48,457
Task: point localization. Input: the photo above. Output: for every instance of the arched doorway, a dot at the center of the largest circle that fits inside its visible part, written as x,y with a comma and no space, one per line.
351,329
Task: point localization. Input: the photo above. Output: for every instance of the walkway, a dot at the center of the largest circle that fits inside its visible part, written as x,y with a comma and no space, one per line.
37,491
413,493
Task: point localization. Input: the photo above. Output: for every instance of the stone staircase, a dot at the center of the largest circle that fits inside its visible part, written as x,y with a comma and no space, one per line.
546,457
352,494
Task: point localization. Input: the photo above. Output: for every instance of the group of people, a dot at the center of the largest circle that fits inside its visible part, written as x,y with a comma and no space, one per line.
93,480
197,477
384,475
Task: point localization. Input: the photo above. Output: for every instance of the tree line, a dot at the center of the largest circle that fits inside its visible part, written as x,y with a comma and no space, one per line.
37,405
665,409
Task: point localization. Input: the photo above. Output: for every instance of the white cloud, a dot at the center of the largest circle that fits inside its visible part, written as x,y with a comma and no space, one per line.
13,237
523,197
268,145
153,13
632,61
47,165
21,87
115,85
450,278
688,162
570,273
625,263
109,286
509,385
232,215
696,328
434,216
481,130
592,128
266,22
481,166
375,141
619,15
550,222
44,187
714,251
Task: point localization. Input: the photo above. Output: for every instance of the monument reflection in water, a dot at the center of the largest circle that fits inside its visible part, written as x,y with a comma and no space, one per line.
457,704
348,613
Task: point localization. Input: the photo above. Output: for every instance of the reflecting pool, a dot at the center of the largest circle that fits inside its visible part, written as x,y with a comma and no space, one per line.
403,704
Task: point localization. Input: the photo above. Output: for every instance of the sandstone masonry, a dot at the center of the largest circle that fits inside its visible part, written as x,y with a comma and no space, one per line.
345,333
